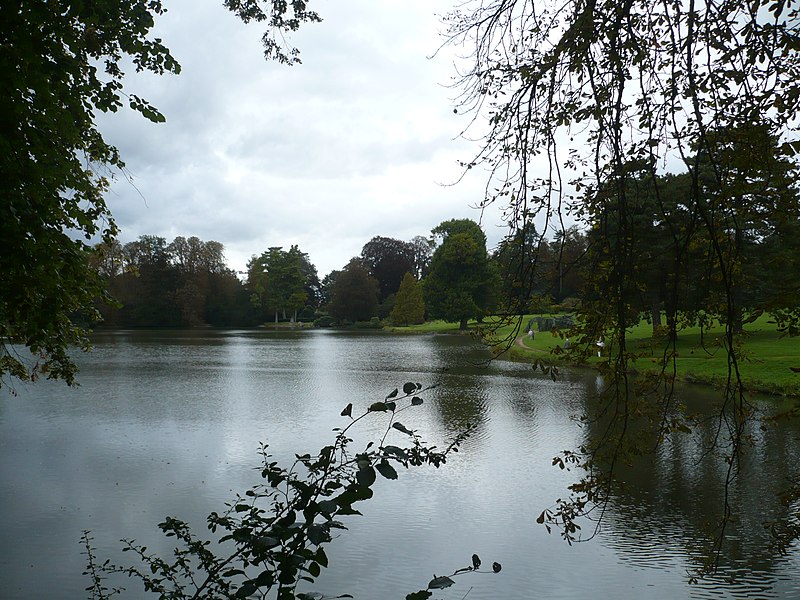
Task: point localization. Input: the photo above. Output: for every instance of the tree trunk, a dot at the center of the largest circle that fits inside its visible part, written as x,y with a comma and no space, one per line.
655,312
738,320
463,324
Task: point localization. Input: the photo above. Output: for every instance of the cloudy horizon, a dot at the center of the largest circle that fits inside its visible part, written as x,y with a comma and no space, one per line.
358,141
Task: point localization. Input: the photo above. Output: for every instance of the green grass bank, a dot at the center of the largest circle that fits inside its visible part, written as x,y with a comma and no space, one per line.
766,364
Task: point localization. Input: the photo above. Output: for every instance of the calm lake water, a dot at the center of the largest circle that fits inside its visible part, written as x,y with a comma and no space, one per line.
169,423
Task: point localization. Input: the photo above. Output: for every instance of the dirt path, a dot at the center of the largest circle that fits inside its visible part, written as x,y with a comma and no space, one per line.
521,344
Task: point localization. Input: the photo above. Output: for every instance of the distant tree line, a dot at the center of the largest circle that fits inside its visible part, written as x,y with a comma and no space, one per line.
449,275
185,283
452,276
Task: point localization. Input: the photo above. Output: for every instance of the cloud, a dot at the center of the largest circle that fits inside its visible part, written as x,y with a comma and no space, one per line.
353,143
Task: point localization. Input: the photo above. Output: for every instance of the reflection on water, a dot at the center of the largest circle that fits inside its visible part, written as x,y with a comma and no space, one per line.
168,423
672,502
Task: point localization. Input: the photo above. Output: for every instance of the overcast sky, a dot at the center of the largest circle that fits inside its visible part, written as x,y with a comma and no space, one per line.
355,142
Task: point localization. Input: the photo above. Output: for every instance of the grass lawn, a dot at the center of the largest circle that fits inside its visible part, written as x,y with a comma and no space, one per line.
766,365
431,327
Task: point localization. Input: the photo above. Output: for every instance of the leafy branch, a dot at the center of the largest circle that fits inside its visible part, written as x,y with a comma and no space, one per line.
441,582
274,536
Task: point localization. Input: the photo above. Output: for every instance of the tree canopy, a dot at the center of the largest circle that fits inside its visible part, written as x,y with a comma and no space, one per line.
589,105
460,283
354,293
185,283
61,63
409,307
281,280
388,260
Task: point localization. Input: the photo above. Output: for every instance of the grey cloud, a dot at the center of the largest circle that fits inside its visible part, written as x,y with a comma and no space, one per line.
348,145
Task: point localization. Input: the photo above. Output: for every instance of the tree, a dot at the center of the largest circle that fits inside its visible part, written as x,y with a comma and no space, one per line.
574,94
61,62
149,287
154,284
749,193
199,265
326,287
459,285
520,257
354,296
566,266
388,260
313,287
409,307
279,280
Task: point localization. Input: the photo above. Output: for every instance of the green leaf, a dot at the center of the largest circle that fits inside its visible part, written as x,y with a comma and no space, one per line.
409,387
327,507
420,595
314,569
396,450
387,470
266,542
347,509
393,393
317,534
265,579
416,401
439,583
378,407
366,477
321,557
348,410
247,589
232,572
400,427
476,562
287,574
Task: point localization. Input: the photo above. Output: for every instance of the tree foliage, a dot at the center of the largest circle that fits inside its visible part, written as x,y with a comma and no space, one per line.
388,260
589,104
185,283
409,307
281,281
61,63
281,17
354,294
460,284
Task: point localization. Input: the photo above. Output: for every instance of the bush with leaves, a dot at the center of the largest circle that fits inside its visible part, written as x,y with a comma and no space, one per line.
274,536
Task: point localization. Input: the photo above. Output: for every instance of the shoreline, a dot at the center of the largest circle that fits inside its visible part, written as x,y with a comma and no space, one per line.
752,386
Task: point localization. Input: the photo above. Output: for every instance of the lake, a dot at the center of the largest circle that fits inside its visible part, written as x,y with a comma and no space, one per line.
169,423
